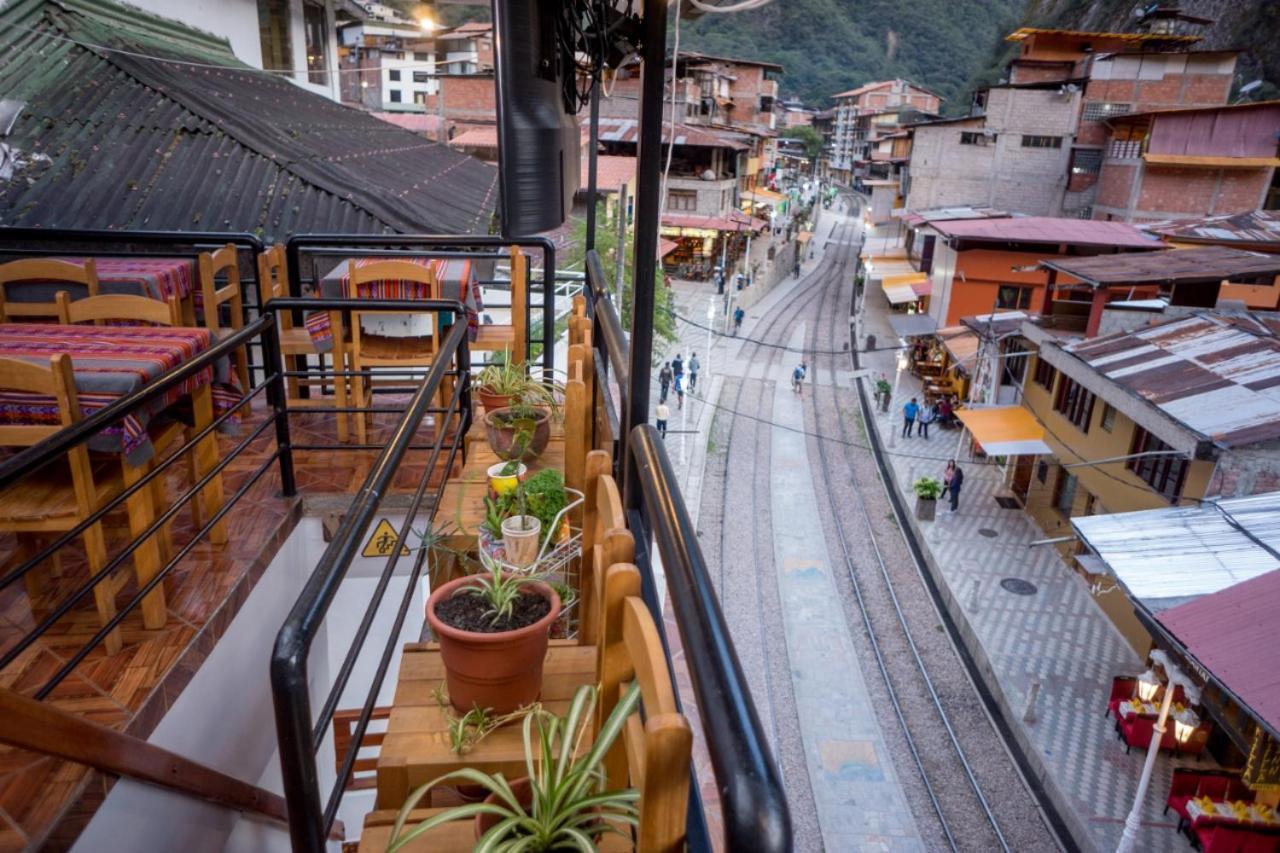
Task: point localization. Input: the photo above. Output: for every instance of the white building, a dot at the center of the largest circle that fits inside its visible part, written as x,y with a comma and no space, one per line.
390,59
275,35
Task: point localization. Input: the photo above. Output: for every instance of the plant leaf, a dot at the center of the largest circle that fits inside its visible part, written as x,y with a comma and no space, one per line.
463,812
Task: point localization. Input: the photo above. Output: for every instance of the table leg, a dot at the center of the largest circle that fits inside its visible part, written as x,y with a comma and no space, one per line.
207,456
189,310
146,559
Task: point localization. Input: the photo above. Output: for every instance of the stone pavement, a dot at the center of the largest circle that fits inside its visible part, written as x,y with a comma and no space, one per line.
1055,636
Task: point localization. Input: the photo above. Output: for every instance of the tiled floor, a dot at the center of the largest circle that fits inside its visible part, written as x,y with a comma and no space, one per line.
47,801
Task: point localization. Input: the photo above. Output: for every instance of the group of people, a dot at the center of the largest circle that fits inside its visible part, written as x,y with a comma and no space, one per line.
671,375
916,418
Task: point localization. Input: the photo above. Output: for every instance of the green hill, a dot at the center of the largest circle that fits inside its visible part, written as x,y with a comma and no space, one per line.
828,46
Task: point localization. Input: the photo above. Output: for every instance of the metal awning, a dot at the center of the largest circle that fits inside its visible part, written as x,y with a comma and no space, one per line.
908,325
897,293
1005,430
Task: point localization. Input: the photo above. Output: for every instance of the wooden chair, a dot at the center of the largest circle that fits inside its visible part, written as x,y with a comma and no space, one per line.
296,344
510,337
369,351
45,270
118,307
652,755
57,498
224,262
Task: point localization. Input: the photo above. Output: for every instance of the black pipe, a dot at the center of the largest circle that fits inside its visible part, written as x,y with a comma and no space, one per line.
756,815
278,399
289,658
593,140
653,57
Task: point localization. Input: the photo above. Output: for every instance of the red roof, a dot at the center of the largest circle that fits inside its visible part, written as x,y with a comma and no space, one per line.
476,137
1049,229
612,171
628,130
426,123
735,221
1232,634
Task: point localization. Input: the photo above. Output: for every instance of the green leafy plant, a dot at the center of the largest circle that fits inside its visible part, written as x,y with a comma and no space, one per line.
543,495
472,727
928,488
493,515
506,378
500,590
568,807
510,469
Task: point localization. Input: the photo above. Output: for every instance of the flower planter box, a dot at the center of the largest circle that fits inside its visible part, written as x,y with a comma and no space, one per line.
926,508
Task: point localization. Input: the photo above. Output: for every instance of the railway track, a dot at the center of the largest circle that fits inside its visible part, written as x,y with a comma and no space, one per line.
965,788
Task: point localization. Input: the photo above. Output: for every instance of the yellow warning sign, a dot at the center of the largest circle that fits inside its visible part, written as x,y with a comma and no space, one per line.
384,538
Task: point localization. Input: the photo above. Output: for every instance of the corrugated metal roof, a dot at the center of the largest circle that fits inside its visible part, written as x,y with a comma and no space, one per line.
1255,227
1049,229
628,130
1232,635
1166,557
1218,376
117,141
942,214
1210,263
734,221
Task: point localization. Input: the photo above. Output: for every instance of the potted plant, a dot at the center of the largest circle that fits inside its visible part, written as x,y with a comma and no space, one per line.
545,499
560,805
518,432
884,392
504,382
521,533
505,476
493,629
928,490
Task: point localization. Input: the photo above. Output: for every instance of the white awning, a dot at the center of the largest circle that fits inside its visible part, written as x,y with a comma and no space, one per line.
906,325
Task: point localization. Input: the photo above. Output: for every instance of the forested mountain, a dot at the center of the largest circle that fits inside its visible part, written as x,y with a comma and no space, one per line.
828,46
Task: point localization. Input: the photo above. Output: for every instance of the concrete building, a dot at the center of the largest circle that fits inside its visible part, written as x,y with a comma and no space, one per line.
388,62
864,114
298,36
1014,156
1168,164
467,49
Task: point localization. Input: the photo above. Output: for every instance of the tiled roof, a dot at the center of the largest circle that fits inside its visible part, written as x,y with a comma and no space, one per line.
734,221
1219,376
110,140
1049,229
612,171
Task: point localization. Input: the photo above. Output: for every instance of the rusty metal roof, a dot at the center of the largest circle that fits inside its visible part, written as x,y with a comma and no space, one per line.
628,130
1218,375
1049,229
1257,228
1206,264
148,140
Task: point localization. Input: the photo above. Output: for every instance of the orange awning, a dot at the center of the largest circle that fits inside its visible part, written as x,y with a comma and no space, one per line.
1005,430
1208,160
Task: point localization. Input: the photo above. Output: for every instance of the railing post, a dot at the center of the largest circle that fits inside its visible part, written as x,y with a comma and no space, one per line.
592,139
278,399
635,408
548,310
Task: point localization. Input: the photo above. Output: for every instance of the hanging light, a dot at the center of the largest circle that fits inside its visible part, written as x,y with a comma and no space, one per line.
1183,731
1148,685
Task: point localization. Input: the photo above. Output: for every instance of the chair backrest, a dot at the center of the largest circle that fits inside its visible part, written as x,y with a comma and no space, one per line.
58,378
1185,782
1123,687
224,262
653,755
1238,790
358,274
1214,787
118,307
43,270
273,278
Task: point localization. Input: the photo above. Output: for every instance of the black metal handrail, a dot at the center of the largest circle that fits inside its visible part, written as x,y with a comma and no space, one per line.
754,804
482,247
300,734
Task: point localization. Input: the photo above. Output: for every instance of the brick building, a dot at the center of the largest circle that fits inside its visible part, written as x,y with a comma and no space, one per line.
864,114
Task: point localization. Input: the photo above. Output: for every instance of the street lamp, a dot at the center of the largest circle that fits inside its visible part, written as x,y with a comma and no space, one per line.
1148,685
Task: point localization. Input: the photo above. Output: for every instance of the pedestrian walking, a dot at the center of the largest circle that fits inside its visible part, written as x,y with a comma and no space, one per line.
738,314
664,381
952,480
677,368
797,378
694,367
946,415
909,413
660,417
928,414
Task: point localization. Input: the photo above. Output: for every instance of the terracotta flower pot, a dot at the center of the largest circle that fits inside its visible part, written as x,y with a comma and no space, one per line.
506,441
502,671
493,402
524,796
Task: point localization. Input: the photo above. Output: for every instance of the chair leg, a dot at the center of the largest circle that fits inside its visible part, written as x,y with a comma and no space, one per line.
160,499
362,427
340,398
104,597
146,559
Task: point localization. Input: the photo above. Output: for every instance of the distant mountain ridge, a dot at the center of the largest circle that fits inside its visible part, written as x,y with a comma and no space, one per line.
829,46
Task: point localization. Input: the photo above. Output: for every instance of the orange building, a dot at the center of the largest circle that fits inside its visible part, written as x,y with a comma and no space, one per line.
981,266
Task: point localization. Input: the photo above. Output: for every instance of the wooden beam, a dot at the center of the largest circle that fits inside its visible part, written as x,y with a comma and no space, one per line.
40,727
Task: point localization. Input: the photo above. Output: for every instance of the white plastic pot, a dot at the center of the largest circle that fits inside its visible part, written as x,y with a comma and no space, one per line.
520,537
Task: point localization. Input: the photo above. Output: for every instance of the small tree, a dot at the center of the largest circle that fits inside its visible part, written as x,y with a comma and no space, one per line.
811,138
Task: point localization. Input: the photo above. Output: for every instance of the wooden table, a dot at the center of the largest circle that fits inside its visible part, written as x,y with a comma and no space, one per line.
154,278
1223,810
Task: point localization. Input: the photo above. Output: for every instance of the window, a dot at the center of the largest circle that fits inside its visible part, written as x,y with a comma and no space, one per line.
1108,421
682,200
421,77
418,56
1032,141
1015,362
420,98
316,30
1166,473
394,75
1074,403
976,137
273,32
1045,374
394,94
1100,110
1012,296
1064,492
1086,161
1042,471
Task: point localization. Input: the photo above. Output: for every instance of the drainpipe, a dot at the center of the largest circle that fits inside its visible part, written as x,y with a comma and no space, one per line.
592,140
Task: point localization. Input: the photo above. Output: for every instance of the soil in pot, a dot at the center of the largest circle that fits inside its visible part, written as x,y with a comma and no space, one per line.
486,666
470,613
513,437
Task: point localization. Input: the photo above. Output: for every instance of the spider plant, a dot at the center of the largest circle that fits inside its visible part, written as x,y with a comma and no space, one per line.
506,378
568,807
472,727
499,589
